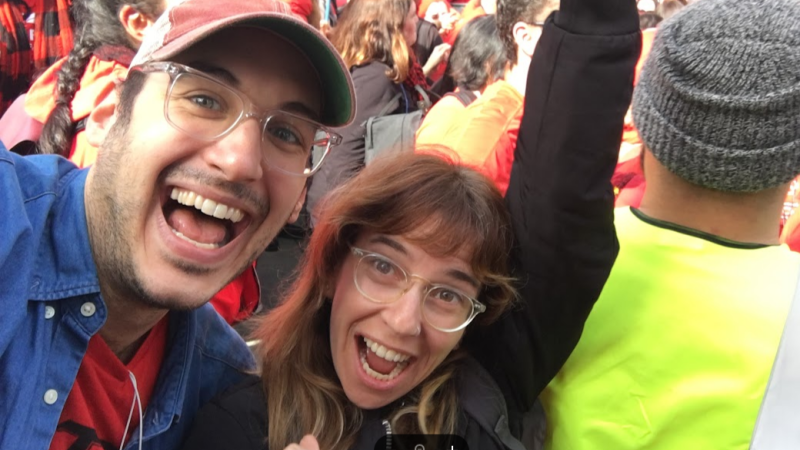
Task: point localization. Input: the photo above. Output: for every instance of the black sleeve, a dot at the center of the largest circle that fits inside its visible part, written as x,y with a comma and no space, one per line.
216,428
427,39
374,90
234,420
560,197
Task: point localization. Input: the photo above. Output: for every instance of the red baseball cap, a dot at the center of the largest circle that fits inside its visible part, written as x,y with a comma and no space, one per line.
187,22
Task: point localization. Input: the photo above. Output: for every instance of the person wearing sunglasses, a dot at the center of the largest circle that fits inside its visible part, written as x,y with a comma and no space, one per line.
106,337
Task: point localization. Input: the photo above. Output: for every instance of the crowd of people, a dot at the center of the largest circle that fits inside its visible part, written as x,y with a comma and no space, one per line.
464,270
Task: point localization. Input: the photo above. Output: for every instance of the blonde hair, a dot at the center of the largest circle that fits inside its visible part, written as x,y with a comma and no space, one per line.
400,195
372,30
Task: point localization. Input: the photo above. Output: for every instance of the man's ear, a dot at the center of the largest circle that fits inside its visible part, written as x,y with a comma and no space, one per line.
101,119
298,206
526,37
135,23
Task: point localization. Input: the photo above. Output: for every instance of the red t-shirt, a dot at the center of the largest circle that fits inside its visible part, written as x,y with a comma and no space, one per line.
97,409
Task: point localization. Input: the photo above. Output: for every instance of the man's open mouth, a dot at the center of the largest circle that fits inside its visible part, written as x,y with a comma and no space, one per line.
201,221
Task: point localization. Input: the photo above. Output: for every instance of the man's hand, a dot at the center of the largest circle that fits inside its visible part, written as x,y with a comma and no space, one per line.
308,442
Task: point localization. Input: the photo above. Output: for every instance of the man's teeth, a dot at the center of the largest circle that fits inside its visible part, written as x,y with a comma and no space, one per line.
383,352
206,206
199,244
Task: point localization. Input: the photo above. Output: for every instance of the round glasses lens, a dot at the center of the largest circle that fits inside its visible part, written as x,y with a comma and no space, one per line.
289,140
202,107
379,279
445,308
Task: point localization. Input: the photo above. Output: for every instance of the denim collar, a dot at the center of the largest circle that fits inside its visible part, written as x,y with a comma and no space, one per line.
64,265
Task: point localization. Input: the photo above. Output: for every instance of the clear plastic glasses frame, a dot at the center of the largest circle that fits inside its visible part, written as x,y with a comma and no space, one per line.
443,307
206,108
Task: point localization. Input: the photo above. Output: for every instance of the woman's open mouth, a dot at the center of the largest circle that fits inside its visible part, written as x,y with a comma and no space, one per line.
379,362
201,221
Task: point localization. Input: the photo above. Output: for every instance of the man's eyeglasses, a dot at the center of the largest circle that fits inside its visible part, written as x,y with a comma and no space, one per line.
207,109
381,280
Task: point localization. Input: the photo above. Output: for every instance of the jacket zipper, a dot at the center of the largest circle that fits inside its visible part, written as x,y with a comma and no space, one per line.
388,427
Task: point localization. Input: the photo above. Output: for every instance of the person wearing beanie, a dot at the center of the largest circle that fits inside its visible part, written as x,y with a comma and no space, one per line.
678,352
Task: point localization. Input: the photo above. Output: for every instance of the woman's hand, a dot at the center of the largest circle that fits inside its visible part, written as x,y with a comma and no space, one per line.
308,442
439,55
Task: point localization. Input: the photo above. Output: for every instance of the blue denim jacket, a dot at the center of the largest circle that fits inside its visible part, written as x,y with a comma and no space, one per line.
50,305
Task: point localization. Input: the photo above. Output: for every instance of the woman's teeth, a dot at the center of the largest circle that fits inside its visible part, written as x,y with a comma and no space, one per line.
389,355
206,206
383,352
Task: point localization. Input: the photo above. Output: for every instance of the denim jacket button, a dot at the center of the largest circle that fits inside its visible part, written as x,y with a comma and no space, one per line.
51,396
49,312
88,309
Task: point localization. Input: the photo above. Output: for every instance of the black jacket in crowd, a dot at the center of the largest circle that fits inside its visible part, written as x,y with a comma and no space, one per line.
374,90
579,88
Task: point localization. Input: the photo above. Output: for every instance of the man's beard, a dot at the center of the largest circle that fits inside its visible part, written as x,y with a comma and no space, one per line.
108,213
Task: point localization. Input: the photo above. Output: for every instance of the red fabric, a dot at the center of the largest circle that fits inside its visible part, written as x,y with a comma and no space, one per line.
300,7
98,406
52,37
628,182
416,77
791,233
16,67
239,299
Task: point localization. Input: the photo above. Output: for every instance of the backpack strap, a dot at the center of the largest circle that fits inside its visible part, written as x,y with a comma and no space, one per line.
778,423
466,97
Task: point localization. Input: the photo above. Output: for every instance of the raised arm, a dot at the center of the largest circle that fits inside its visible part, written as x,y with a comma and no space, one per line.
560,197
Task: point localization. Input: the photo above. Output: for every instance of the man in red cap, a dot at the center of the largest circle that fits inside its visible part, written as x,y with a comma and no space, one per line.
105,337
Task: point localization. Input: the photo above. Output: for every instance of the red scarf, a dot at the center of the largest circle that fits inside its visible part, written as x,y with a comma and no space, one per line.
16,68
416,77
52,32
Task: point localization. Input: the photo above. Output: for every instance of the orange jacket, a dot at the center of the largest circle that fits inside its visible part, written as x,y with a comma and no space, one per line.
484,135
438,121
98,80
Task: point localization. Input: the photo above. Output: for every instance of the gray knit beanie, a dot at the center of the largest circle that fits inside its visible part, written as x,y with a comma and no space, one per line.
718,100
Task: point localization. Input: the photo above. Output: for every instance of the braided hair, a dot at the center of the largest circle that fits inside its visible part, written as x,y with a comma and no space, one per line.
97,23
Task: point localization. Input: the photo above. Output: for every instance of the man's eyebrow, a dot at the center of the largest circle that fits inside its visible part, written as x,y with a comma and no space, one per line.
215,71
453,273
301,109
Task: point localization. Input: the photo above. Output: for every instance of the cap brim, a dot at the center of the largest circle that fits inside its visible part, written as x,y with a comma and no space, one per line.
338,105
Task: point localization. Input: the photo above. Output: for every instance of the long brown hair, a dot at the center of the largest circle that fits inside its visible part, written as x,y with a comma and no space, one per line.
433,203
372,30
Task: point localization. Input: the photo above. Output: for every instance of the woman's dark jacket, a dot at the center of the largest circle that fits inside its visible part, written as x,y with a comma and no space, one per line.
237,420
561,202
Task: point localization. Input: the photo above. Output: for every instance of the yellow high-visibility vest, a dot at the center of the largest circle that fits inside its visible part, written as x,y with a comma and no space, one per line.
678,350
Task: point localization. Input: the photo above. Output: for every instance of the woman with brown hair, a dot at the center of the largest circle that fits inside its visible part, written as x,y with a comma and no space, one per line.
366,342
375,39
375,339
